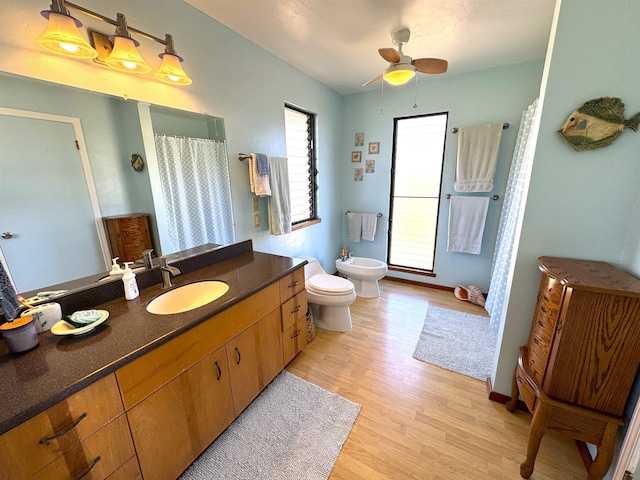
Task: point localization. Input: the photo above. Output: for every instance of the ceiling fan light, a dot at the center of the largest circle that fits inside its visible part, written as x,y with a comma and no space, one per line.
62,36
125,56
171,71
399,74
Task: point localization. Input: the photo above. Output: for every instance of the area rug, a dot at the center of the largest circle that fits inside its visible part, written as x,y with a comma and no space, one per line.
457,341
293,430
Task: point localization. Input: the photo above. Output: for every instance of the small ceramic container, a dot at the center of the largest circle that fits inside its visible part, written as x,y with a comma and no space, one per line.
20,334
44,316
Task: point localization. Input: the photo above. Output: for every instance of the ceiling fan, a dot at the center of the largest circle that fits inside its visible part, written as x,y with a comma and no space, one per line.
403,68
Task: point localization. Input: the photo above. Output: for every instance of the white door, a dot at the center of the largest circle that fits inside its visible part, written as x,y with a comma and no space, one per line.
629,458
48,228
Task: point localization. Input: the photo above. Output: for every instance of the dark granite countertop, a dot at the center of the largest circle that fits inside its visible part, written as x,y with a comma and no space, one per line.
33,381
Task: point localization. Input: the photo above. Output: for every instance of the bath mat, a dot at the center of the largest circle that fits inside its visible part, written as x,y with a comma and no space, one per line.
457,341
293,430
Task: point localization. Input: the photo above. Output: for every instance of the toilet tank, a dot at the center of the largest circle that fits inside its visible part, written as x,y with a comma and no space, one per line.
312,268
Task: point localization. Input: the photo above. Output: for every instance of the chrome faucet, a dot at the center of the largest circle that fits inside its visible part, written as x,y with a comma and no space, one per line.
146,258
167,271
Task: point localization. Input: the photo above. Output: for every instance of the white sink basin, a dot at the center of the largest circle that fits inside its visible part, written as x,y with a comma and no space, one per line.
187,297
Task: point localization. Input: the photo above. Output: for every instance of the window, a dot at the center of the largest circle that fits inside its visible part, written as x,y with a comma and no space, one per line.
300,139
418,154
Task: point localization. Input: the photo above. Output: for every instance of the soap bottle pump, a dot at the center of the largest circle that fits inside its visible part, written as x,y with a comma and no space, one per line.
116,271
130,285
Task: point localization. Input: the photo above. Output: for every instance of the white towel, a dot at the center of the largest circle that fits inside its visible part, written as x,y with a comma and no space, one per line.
280,200
467,216
259,182
354,221
369,224
477,157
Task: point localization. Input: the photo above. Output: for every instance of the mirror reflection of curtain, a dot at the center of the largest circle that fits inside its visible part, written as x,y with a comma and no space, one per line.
196,190
510,219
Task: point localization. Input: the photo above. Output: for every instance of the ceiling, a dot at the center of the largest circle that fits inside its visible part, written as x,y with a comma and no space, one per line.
337,41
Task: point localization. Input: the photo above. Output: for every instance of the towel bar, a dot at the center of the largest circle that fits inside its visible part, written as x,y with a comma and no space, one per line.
243,156
504,127
493,197
378,215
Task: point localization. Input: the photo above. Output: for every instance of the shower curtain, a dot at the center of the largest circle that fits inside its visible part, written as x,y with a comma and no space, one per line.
196,190
512,210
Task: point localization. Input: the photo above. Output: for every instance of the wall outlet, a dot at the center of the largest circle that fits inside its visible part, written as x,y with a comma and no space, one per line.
256,220
255,204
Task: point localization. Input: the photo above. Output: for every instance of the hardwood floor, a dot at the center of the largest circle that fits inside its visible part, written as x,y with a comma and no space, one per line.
419,421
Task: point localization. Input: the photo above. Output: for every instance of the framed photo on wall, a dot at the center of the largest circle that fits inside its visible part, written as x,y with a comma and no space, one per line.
359,139
356,156
374,147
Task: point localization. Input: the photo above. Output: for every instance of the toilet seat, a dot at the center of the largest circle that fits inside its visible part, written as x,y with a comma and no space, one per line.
329,285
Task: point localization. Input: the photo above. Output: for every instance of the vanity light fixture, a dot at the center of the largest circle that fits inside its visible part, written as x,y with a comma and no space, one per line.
124,55
399,74
62,36
170,70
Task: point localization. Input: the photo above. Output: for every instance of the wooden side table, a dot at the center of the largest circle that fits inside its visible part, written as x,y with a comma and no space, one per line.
128,236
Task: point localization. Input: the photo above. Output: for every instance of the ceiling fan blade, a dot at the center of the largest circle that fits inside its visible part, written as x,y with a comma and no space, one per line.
373,80
430,65
391,55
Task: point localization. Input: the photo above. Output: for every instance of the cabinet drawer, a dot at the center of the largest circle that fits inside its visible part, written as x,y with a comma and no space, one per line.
96,457
70,422
291,284
293,310
294,339
145,375
526,391
550,291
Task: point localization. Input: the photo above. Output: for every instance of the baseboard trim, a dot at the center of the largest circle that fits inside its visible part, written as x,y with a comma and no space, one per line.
501,398
420,284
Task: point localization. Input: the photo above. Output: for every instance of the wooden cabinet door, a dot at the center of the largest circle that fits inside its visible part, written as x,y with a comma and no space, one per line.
255,358
175,424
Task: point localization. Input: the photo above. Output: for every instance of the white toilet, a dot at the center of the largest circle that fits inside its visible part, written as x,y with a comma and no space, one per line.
329,297
364,273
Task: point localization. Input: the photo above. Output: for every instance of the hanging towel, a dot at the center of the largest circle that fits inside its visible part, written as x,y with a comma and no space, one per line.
263,164
279,201
8,297
354,221
369,224
260,184
477,157
467,216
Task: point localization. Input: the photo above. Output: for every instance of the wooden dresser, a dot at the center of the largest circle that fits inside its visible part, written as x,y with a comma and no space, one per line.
576,371
128,236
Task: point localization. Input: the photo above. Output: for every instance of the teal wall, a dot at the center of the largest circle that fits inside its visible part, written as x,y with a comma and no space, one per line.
494,95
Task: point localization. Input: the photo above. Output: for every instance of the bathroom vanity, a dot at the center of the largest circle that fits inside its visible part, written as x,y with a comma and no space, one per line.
143,395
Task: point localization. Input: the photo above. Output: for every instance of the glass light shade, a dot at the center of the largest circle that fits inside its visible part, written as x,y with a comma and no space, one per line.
62,36
399,74
125,56
171,71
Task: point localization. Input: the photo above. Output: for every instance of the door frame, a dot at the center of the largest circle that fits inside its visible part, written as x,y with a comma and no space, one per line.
86,168
630,451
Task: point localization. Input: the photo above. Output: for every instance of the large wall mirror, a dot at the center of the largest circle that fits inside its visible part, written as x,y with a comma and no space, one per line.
66,164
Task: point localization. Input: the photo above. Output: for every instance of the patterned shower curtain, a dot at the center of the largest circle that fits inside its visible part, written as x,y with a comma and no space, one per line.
196,190
510,219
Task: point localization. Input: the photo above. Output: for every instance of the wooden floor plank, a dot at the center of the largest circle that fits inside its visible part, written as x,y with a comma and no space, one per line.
419,421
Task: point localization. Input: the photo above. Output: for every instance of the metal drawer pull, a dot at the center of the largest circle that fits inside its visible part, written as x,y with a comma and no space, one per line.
295,334
239,356
296,310
219,371
88,469
519,379
59,434
536,341
540,323
294,284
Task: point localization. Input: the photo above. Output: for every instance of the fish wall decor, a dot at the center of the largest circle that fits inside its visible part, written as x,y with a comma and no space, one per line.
597,123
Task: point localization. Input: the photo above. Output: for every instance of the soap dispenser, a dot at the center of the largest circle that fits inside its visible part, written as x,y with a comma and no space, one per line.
116,271
130,284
